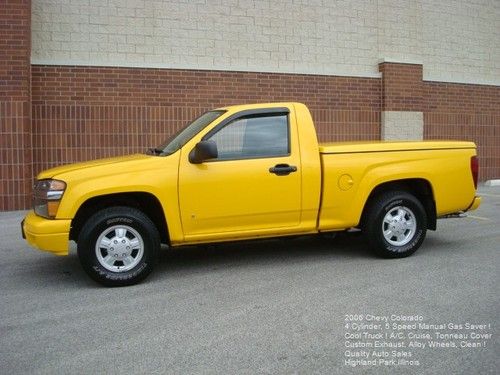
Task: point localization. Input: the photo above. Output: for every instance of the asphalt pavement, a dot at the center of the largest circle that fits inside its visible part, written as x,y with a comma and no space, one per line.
309,305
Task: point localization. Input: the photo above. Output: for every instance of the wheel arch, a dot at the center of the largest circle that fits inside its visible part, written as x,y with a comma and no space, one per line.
418,187
145,202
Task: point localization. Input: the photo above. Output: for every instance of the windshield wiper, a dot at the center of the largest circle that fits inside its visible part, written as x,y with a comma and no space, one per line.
155,151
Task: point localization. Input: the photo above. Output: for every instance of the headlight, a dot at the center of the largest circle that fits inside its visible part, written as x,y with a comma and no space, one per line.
47,195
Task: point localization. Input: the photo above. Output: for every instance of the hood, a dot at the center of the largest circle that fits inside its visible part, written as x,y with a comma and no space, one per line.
128,162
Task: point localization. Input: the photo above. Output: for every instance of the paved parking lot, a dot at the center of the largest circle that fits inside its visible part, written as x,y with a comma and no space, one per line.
269,307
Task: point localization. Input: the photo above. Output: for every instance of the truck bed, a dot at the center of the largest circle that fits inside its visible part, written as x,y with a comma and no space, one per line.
351,170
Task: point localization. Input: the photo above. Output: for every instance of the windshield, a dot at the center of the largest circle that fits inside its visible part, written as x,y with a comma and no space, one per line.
179,139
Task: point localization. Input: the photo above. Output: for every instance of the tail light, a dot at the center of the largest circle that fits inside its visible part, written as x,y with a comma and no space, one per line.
474,168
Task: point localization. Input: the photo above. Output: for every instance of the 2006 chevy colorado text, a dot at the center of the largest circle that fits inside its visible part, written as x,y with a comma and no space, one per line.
247,172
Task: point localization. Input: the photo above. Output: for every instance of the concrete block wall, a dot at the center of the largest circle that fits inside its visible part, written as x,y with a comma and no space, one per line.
399,30
315,37
455,41
461,41
402,125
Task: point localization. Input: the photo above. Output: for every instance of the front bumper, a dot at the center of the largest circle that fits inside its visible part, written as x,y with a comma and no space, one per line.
47,235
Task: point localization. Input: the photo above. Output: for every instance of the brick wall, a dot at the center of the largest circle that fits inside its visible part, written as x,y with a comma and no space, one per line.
412,108
468,112
402,86
71,113
81,113
15,127
402,90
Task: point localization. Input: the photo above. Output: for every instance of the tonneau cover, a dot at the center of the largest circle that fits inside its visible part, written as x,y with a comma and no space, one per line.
385,146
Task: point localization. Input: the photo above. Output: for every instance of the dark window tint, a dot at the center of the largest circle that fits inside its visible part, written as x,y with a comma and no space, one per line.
253,137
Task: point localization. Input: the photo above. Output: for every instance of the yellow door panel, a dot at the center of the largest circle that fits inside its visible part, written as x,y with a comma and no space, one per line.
253,184
239,195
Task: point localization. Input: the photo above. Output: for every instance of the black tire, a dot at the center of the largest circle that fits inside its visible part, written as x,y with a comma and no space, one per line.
394,238
126,229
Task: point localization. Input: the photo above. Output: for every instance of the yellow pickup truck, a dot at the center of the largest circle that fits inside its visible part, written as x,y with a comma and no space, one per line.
247,172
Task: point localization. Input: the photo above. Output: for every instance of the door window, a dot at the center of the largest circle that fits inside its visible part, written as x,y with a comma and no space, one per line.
253,137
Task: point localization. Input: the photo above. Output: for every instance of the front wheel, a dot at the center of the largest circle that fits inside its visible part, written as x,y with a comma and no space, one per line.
395,224
118,246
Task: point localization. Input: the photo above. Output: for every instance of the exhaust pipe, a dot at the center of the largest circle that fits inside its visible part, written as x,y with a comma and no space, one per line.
455,215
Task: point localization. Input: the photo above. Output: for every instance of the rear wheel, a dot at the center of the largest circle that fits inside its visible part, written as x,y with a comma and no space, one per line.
118,246
395,224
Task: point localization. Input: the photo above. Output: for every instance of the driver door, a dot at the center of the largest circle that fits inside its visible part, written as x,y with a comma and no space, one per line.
252,187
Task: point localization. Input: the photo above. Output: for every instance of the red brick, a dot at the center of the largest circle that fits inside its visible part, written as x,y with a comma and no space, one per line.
468,112
15,32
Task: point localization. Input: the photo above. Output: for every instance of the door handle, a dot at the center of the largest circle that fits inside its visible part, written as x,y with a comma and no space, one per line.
282,169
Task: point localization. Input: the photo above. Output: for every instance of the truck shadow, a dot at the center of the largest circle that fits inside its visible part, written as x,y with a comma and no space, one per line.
263,253
65,272
62,273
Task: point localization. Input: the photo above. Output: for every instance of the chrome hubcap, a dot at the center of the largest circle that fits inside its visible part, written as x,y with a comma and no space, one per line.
399,226
119,248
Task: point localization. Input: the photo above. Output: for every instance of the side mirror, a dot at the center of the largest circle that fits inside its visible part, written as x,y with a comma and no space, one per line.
203,150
